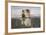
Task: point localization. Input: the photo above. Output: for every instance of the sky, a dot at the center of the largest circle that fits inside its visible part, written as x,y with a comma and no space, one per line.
16,11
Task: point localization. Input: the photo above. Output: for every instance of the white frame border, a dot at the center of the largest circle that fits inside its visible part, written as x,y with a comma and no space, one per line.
25,29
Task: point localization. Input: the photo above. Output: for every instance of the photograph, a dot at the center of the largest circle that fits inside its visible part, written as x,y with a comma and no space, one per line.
25,17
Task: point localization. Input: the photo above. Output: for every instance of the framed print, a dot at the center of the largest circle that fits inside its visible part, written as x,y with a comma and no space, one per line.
25,17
